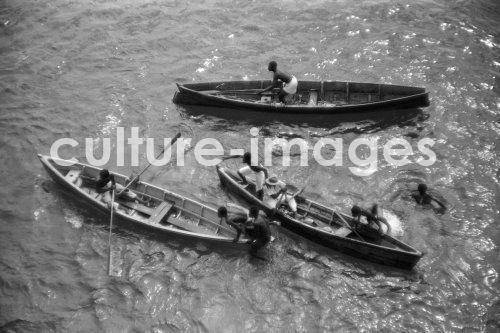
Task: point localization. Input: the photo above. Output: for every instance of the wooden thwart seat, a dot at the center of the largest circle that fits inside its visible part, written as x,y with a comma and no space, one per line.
136,206
160,212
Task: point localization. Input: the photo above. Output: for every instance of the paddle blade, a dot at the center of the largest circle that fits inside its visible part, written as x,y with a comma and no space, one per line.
115,263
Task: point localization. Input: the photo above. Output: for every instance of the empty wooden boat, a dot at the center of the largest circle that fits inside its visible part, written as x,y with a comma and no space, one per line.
311,97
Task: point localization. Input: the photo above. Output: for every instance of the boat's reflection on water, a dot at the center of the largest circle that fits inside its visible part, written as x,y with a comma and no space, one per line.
358,122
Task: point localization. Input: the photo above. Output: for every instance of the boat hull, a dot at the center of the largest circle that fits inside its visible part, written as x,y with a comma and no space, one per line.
329,97
398,254
191,209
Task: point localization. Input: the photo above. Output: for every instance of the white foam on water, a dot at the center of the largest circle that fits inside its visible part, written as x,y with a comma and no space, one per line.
74,219
394,222
38,212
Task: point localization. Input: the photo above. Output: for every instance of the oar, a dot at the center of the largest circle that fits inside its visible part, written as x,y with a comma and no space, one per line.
224,158
348,226
149,164
130,183
256,256
233,205
110,228
299,191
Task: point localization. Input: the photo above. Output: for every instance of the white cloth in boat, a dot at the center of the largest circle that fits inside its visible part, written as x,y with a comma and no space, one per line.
291,87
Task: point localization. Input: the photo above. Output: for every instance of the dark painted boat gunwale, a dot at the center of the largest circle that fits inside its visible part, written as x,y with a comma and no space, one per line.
408,256
59,178
203,94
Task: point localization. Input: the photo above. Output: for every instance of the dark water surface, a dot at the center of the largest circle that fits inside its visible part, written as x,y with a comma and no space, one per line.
82,68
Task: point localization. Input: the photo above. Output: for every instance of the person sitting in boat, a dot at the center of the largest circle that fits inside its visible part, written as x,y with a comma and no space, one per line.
106,183
425,199
276,191
290,82
260,174
374,221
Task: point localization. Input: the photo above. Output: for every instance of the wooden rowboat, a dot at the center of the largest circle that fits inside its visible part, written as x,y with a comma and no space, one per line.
326,226
311,97
167,213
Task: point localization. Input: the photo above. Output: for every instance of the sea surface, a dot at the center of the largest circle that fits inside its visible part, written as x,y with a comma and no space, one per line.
81,69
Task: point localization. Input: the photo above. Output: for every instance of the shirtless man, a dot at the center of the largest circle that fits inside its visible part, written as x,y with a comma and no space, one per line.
247,222
374,221
259,231
260,174
239,220
289,82
425,199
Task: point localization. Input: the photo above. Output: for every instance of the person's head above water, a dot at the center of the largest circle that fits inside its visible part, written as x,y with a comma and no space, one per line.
272,66
422,188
